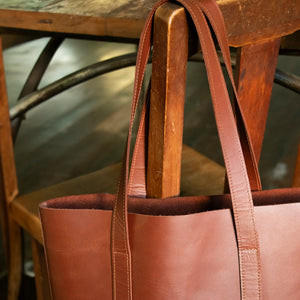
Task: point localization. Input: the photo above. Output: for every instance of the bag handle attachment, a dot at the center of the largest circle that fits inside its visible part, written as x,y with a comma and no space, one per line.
137,178
243,210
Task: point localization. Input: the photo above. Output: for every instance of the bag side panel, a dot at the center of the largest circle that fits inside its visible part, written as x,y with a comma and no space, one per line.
77,246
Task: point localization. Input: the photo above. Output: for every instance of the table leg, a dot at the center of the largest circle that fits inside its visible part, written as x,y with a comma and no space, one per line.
255,70
170,51
8,191
40,270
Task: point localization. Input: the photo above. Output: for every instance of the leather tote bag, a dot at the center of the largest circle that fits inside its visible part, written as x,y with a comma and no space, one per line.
243,245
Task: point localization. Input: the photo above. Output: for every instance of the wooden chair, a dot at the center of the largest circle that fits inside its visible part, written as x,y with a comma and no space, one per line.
259,42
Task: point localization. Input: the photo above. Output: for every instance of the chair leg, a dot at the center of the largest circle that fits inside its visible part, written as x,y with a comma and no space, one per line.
167,101
255,70
8,191
14,261
40,270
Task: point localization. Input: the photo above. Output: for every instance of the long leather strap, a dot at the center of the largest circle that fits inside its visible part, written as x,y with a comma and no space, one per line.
120,248
214,15
137,182
248,245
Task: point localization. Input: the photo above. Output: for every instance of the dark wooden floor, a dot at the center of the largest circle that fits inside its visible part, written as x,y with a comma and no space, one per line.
84,129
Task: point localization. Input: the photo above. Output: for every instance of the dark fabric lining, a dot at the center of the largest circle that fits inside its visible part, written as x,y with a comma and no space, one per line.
172,206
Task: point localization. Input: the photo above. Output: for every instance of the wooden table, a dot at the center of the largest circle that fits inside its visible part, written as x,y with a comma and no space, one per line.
246,21
254,27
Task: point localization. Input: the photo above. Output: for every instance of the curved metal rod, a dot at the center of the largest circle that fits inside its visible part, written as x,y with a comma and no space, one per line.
35,98
285,79
40,66
288,80
35,76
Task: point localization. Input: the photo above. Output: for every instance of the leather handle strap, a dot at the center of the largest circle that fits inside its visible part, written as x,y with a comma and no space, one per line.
137,181
214,15
247,239
120,248
243,210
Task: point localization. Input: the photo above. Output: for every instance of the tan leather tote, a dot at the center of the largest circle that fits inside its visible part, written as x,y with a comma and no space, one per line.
244,245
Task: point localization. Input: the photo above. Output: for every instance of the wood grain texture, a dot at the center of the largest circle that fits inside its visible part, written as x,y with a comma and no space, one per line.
7,161
31,5
169,61
255,71
8,191
8,182
246,21
14,259
40,271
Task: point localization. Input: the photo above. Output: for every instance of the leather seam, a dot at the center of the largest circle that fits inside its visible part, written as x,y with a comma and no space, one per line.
121,253
137,87
221,130
249,197
230,73
138,143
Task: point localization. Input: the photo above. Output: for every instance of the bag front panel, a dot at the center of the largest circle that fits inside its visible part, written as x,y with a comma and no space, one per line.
173,257
184,257
279,231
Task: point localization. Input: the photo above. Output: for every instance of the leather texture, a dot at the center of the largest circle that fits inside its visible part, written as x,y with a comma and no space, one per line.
182,248
218,247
